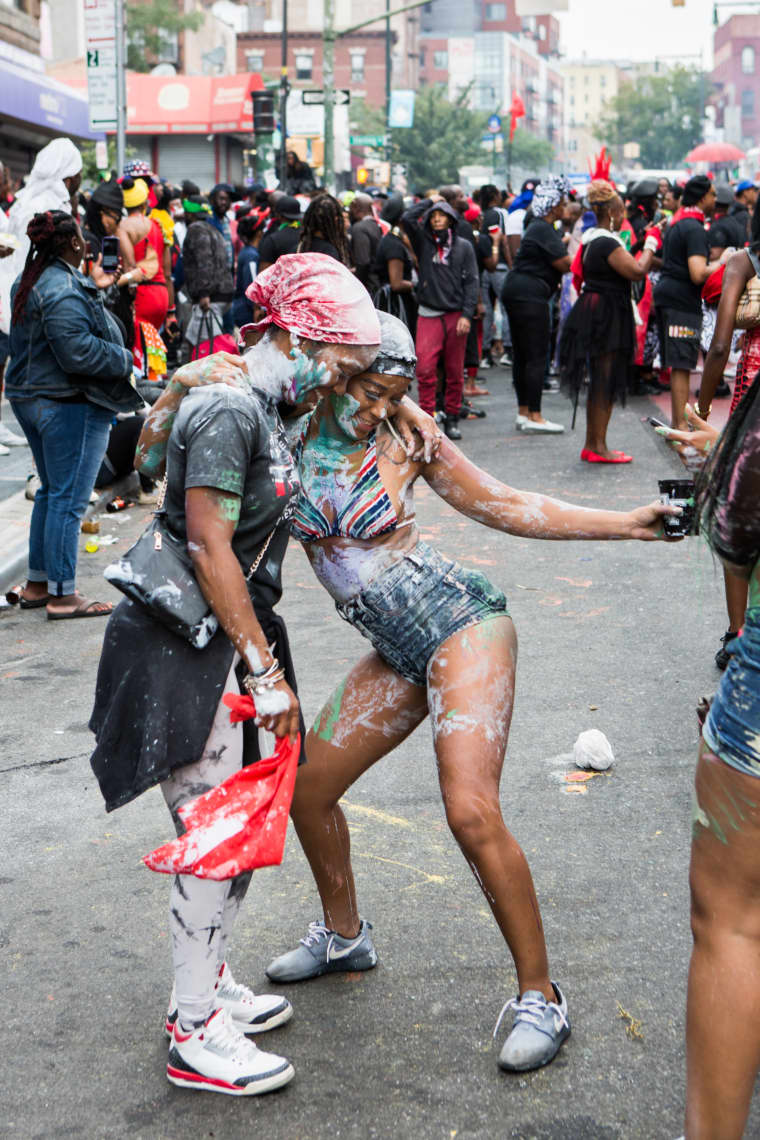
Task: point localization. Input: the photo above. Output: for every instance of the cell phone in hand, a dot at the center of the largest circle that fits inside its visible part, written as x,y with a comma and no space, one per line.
110,250
657,423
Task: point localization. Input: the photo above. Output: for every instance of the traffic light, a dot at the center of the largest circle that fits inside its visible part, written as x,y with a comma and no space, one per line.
362,175
263,112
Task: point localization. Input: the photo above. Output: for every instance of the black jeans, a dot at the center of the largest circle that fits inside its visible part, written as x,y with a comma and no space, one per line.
530,323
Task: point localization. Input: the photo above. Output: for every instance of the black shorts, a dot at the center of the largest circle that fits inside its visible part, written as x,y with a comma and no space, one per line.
679,338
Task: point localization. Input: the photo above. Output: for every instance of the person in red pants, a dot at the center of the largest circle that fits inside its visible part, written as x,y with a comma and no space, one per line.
447,295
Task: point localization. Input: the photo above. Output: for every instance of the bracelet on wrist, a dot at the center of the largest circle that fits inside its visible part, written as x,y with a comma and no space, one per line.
259,683
702,415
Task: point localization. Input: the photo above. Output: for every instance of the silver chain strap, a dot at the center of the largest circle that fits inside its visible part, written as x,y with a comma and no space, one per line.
160,500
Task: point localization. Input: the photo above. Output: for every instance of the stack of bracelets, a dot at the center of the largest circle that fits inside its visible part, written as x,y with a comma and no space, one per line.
259,683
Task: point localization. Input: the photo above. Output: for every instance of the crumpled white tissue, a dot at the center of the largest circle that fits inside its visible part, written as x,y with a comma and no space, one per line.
592,749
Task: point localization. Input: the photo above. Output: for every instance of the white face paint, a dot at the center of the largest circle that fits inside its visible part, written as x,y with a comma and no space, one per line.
270,370
345,409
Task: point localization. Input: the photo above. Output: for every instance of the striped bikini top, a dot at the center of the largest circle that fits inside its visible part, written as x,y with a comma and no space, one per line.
366,513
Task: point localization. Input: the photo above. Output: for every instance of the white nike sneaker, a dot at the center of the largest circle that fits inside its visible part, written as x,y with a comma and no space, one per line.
323,951
9,438
250,1013
215,1057
520,422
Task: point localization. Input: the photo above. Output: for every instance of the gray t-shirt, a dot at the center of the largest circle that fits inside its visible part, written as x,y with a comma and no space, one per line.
234,441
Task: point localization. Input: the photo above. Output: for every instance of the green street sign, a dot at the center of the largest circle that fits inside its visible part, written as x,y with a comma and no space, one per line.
367,140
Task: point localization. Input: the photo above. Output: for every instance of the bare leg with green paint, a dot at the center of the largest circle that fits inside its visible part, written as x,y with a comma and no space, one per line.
368,715
723,1004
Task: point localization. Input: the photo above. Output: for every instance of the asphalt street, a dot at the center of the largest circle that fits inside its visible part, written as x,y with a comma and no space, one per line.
617,636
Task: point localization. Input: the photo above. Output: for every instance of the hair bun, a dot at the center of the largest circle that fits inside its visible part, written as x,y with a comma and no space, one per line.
41,228
600,191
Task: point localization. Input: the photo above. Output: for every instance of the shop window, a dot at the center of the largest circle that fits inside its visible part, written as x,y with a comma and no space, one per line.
304,65
254,60
440,60
357,66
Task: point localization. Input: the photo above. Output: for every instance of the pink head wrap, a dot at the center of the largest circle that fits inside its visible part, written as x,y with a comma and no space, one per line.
315,296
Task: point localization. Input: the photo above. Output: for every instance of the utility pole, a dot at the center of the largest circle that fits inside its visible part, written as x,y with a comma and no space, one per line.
121,87
329,36
284,92
328,83
388,69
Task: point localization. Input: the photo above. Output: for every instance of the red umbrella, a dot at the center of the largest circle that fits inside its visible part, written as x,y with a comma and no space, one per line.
715,152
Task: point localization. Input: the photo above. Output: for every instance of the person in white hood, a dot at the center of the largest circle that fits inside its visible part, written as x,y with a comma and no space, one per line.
53,181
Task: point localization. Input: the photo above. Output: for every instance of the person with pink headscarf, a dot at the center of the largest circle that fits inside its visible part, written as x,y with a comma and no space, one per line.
159,716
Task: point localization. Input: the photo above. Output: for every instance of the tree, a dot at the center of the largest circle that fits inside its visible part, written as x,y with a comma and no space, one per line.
91,172
528,151
445,136
151,27
662,113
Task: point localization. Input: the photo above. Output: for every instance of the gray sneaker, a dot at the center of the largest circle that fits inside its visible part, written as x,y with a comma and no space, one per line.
539,1028
323,951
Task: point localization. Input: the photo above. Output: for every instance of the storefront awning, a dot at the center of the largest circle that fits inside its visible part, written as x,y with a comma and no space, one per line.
190,104
43,102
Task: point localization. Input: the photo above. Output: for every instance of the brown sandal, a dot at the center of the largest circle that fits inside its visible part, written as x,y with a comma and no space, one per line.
83,610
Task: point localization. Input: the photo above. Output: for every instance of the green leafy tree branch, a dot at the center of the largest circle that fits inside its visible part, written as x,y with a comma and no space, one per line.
151,26
662,113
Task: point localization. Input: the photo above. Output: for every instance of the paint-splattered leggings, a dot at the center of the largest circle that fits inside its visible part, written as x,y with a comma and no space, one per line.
202,913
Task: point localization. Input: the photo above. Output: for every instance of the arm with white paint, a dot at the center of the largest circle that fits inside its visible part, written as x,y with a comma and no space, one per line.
478,495
220,368
211,518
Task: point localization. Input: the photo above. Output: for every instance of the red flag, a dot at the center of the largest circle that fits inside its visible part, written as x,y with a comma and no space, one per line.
241,824
516,111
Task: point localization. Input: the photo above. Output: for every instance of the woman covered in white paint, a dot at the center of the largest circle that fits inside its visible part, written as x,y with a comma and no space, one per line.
443,644
158,716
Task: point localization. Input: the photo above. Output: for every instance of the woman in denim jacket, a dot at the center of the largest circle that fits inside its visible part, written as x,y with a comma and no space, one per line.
68,374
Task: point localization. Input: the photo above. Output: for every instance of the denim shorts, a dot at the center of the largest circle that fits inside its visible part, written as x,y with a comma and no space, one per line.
419,602
732,727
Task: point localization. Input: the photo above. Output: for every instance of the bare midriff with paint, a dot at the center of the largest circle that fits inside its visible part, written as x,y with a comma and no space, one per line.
345,566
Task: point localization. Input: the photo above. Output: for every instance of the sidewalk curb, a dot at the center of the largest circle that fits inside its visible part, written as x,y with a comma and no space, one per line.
13,564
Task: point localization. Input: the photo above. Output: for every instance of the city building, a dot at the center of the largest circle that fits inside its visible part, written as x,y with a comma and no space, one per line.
588,86
34,108
494,51
360,58
735,80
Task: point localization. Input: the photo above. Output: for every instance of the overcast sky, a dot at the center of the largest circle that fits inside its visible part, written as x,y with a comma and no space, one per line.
638,29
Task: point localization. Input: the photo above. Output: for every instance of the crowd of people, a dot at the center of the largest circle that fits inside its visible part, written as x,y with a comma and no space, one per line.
255,350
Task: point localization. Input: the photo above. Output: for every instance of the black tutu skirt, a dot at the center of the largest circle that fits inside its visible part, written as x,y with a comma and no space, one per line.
598,342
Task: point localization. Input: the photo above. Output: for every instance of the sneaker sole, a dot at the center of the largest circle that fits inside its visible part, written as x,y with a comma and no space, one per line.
536,1064
343,966
185,1079
279,1017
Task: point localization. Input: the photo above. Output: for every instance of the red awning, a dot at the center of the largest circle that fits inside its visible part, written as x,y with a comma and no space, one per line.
190,104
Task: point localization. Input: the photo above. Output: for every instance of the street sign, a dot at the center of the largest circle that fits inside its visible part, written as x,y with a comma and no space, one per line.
341,96
100,47
367,140
401,111
494,124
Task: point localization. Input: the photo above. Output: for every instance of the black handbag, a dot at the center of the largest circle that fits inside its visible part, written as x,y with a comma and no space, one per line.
158,573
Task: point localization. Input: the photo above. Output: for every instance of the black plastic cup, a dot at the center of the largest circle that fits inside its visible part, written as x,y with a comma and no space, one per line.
678,493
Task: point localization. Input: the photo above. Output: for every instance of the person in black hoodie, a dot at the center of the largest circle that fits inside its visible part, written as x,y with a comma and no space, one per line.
447,294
